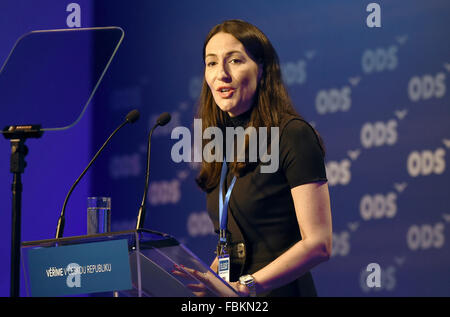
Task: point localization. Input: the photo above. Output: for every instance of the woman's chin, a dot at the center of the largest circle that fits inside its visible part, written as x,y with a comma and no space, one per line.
227,107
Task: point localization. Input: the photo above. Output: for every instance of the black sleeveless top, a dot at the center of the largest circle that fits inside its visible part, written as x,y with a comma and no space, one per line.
262,223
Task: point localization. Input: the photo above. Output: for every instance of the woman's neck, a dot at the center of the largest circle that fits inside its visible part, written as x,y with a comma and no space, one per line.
241,120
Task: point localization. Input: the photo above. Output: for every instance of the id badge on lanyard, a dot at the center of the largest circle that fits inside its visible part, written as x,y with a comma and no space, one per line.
222,248
224,265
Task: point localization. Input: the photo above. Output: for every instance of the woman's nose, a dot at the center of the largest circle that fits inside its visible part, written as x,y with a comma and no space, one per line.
223,73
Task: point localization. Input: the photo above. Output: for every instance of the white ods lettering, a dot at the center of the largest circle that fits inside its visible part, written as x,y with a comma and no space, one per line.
294,72
164,192
123,166
333,100
340,244
199,224
379,59
379,133
426,162
378,206
338,172
426,236
426,87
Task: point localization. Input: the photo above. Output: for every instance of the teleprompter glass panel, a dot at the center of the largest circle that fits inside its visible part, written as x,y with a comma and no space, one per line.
50,76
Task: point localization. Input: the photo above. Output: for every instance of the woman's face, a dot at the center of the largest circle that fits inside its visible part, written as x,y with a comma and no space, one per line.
231,74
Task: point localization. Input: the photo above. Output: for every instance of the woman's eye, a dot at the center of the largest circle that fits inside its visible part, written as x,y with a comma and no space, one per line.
235,61
209,64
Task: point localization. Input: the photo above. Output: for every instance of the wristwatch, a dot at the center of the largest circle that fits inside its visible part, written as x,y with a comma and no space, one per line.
249,282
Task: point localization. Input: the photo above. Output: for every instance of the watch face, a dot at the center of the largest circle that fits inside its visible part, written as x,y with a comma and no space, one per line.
249,282
246,279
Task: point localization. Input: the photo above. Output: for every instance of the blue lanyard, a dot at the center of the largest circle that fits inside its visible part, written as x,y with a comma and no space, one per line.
223,205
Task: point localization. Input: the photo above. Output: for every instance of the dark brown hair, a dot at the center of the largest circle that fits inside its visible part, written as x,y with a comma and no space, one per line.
270,103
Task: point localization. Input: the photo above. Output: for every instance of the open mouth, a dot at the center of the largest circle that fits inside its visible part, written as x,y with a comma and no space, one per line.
225,92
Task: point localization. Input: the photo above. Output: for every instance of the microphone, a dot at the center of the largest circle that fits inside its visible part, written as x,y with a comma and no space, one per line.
162,120
131,117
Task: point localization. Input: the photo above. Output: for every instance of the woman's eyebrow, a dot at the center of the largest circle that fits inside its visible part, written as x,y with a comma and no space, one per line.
227,54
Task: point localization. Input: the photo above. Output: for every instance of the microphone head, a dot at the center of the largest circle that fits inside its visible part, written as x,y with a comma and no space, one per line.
132,116
163,119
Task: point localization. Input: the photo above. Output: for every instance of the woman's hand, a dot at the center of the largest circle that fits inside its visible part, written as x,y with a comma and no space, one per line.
198,289
204,284
242,290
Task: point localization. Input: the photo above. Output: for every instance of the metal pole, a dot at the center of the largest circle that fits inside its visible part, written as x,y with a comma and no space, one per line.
17,135
18,152
16,235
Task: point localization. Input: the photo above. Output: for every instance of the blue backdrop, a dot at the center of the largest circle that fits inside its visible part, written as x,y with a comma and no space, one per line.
377,95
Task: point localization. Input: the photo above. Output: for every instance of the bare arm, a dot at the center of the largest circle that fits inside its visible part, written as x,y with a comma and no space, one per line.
313,211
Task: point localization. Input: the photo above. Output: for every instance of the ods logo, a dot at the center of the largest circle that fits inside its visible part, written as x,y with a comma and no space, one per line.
378,206
123,166
340,244
199,224
294,73
338,173
426,236
426,162
427,87
333,100
164,192
379,134
379,59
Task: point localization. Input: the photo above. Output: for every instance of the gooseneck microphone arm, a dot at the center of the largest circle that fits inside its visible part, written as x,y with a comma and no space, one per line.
162,120
131,117
141,213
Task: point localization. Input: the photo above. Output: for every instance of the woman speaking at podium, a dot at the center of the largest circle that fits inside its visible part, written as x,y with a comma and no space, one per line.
273,227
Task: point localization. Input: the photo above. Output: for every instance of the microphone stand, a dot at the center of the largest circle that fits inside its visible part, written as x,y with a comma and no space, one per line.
17,136
131,117
162,120
141,213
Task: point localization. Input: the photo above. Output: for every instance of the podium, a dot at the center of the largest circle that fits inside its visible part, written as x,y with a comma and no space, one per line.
134,263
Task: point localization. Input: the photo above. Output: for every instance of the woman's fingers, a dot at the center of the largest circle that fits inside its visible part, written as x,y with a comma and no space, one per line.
198,289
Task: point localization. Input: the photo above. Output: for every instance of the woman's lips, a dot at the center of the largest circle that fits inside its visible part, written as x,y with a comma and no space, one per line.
225,92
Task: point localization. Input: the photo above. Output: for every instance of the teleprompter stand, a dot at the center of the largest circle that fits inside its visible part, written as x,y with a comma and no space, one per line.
17,136
33,86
